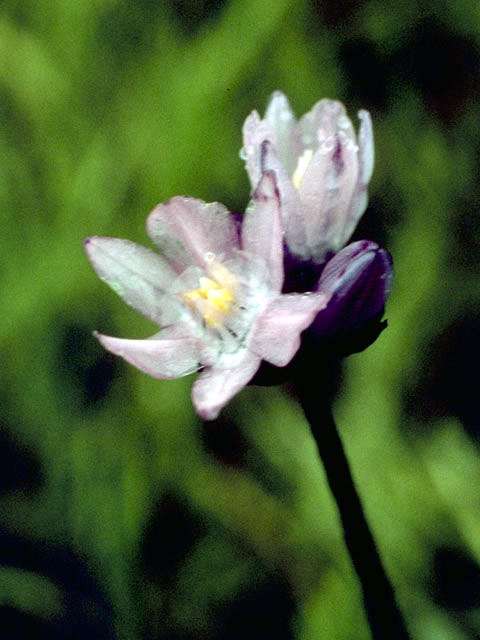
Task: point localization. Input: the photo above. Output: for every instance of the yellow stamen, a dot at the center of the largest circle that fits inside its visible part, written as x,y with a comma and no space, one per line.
212,300
302,166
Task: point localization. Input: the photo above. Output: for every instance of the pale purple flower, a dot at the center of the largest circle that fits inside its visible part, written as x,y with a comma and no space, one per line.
215,293
322,171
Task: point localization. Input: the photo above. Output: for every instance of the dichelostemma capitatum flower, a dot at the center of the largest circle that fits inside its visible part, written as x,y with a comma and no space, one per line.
214,291
322,169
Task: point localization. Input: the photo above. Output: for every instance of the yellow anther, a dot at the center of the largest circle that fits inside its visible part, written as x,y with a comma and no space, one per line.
302,166
211,300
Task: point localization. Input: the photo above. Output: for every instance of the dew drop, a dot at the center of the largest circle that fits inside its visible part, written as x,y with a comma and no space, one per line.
209,256
327,145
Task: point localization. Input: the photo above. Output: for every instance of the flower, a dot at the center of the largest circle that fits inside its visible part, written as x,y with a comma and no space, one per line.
321,168
359,280
214,290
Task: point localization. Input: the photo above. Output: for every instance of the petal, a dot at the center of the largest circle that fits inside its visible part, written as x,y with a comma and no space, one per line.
171,353
359,279
275,336
255,132
188,231
262,231
366,161
281,120
326,192
215,386
291,209
138,275
320,123
366,148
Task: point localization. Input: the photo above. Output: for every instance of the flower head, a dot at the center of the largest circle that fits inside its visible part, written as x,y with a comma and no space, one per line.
214,291
322,170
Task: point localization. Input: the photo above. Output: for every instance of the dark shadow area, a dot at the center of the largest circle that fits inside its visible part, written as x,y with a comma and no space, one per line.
464,245
225,441
367,72
266,611
455,581
20,468
332,13
442,65
170,534
448,381
88,370
86,610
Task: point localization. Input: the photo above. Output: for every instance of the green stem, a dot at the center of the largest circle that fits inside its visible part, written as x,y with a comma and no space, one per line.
384,616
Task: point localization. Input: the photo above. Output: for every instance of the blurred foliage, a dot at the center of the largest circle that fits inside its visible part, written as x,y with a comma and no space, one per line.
122,516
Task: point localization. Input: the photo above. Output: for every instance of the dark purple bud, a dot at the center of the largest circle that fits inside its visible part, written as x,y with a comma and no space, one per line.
359,277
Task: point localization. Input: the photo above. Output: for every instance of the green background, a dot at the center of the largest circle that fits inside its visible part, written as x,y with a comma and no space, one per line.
121,515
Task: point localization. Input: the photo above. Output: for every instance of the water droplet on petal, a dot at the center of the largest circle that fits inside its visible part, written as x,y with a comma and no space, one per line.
327,145
209,256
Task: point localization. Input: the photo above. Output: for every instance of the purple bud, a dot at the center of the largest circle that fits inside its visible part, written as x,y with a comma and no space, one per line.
359,277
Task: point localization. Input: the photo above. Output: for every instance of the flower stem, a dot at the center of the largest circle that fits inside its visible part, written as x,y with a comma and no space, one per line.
384,617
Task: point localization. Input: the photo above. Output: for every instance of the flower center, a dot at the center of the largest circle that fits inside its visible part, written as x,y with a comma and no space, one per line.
215,296
302,165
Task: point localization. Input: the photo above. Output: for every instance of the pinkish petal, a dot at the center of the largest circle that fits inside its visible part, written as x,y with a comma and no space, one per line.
366,150
188,231
171,353
255,132
262,231
326,192
291,208
281,120
365,160
138,275
215,386
276,333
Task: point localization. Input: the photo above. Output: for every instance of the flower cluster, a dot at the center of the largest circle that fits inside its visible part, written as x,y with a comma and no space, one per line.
227,297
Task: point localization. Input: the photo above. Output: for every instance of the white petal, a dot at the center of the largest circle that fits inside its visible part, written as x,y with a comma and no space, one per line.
262,231
275,336
138,275
326,192
281,120
215,386
171,353
366,154
292,215
366,147
255,132
189,231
